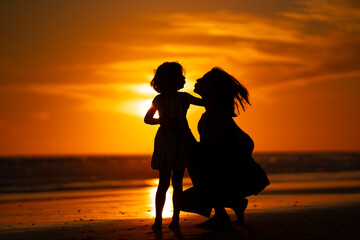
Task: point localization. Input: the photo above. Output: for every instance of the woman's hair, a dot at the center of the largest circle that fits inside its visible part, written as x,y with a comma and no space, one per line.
168,77
228,91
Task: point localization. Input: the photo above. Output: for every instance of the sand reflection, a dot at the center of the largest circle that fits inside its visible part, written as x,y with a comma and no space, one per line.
168,208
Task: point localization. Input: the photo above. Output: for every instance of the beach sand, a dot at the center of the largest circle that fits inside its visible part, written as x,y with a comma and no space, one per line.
296,210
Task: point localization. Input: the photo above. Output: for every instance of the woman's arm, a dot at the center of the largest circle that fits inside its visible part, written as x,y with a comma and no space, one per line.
149,117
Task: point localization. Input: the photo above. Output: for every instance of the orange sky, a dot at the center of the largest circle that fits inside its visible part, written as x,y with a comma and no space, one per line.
74,75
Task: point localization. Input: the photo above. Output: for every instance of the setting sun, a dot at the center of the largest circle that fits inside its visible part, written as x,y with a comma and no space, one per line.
144,107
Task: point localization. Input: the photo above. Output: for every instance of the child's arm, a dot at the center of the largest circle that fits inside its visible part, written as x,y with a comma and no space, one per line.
196,101
149,117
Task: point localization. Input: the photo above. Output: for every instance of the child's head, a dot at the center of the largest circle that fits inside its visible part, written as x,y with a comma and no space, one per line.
168,77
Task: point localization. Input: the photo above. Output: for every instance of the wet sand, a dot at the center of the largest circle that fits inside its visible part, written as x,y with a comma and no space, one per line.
296,210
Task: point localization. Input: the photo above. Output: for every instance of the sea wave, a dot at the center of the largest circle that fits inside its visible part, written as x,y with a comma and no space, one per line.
60,173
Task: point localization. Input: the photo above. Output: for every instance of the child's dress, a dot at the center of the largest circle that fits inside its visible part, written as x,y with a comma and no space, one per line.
172,144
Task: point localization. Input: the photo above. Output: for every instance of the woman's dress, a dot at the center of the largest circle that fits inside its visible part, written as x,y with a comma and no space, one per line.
222,170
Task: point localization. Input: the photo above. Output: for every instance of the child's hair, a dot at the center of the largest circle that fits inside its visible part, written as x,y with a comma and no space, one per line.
168,77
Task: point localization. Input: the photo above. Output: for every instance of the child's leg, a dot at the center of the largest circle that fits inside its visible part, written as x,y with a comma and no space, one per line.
164,183
177,182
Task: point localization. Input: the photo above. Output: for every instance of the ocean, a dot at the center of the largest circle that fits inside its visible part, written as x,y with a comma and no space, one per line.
69,173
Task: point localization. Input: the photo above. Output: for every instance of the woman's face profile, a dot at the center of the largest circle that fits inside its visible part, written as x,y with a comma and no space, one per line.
202,85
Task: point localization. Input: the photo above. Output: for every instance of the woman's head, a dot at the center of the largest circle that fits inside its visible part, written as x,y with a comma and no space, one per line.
221,90
168,78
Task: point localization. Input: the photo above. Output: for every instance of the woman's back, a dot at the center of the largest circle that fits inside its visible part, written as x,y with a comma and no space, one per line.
226,155
214,126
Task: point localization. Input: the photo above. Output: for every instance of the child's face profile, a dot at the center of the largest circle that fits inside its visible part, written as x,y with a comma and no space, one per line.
180,80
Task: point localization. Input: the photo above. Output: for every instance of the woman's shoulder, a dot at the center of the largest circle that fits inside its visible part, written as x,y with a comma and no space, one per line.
220,122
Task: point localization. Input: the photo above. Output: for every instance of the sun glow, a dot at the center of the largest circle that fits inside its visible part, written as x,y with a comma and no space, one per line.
136,107
143,107
168,208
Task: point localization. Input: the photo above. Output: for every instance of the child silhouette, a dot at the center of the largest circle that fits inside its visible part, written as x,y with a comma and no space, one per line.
173,138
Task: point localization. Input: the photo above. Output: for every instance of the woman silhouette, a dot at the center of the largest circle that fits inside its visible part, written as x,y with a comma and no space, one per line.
223,170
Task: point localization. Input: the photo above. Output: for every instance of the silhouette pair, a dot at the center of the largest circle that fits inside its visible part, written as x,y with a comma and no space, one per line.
221,166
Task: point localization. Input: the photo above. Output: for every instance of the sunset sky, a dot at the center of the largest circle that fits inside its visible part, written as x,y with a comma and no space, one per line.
75,74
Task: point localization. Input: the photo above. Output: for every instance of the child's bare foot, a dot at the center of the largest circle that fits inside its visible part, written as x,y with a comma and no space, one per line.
174,225
157,224
239,210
